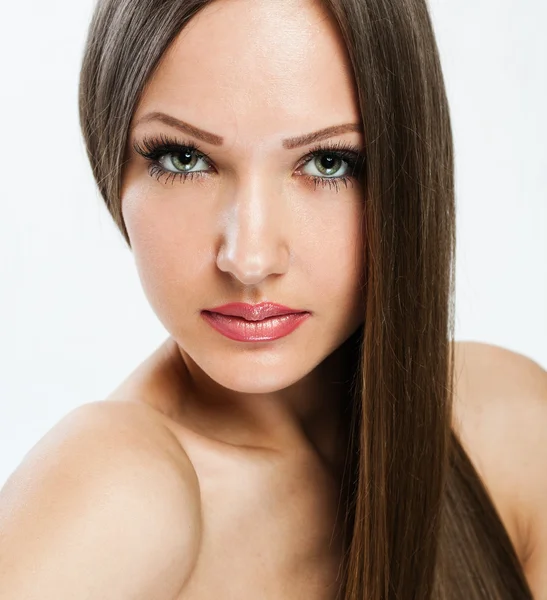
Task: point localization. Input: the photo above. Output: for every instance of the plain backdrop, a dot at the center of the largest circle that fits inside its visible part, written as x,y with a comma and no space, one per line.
74,320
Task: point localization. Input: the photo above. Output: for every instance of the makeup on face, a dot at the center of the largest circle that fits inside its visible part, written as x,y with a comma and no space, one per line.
262,322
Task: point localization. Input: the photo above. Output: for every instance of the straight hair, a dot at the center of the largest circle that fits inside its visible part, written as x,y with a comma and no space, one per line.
419,522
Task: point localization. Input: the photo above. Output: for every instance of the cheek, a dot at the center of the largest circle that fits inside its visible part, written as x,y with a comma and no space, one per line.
335,256
335,273
169,249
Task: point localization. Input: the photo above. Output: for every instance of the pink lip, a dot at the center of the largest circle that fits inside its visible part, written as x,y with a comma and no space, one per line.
255,312
259,323
241,330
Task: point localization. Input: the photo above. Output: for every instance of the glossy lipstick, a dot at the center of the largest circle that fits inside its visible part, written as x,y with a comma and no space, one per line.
254,323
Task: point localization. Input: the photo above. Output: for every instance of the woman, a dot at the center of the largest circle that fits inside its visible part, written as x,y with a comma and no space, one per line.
296,154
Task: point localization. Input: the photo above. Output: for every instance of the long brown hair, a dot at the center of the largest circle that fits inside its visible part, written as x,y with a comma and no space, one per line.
420,523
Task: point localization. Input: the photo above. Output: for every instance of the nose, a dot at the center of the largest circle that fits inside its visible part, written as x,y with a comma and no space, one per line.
255,233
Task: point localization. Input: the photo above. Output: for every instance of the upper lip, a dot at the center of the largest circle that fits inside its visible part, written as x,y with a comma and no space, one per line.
254,312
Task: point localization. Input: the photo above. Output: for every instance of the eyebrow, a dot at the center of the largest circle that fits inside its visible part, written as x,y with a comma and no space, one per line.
217,140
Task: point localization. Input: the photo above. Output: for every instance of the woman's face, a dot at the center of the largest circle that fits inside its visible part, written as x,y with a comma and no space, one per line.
250,224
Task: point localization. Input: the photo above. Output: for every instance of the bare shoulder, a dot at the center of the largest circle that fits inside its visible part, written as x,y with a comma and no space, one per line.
501,411
106,506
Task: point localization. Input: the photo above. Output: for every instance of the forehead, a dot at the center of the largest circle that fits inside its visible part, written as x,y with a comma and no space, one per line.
256,69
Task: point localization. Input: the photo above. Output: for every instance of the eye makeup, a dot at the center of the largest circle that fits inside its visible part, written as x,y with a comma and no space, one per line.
156,149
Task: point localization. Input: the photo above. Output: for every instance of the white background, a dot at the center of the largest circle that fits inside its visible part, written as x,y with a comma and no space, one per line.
73,317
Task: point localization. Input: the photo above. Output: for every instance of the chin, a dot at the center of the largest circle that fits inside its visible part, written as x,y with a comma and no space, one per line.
255,370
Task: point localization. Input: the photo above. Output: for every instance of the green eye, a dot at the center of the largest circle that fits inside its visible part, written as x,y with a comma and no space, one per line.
327,164
181,161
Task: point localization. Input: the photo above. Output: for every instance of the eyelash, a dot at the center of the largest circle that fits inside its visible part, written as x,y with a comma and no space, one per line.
154,148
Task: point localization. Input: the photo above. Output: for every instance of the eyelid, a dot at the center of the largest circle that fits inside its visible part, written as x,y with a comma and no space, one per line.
154,147
347,151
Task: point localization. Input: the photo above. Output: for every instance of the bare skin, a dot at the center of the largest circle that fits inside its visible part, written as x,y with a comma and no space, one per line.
245,491
222,520
271,525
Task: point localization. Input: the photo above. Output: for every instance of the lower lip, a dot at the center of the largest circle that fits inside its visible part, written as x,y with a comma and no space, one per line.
272,328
